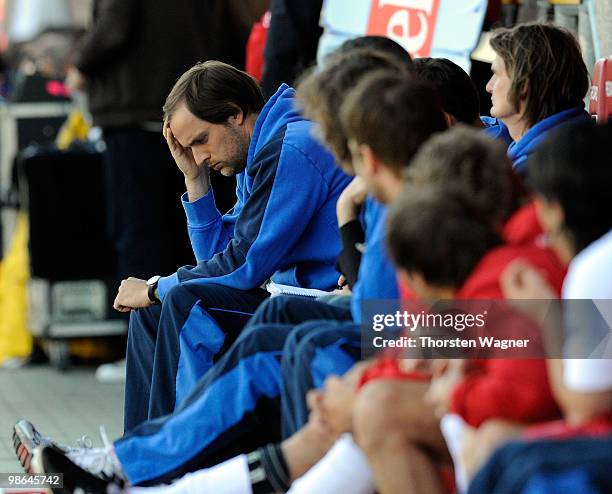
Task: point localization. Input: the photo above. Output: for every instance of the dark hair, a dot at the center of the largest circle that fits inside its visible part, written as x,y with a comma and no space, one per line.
393,114
321,93
572,167
377,43
436,232
471,163
455,87
214,91
546,67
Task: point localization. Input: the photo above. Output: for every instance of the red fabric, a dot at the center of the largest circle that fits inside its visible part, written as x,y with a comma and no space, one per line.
483,283
515,389
523,227
512,389
389,368
559,429
405,292
255,47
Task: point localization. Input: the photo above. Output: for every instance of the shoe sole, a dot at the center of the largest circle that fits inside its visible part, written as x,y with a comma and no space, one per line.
24,447
37,466
49,460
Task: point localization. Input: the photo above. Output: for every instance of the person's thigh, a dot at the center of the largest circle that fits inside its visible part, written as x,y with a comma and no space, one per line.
230,308
296,310
398,406
198,323
312,352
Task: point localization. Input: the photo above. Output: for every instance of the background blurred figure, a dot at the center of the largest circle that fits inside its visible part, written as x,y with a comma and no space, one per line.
292,41
127,61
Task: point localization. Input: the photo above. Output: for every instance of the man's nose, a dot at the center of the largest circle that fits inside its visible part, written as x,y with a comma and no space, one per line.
200,156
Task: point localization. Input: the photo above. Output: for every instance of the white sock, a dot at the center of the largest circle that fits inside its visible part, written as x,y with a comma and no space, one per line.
343,469
453,429
230,477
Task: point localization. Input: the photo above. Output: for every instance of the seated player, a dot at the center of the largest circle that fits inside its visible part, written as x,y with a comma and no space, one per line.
569,174
288,185
462,158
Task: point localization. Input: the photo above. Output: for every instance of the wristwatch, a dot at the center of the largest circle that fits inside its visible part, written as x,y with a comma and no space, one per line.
152,289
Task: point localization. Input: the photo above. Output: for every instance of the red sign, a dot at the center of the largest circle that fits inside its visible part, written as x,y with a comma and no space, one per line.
409,22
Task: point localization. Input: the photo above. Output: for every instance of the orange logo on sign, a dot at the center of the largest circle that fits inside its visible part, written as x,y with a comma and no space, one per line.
409,22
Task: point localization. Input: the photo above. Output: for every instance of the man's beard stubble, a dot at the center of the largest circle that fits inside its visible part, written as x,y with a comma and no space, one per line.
236,162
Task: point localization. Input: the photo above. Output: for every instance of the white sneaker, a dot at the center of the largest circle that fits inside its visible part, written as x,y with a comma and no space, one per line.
26,438
101,462
111,373
49,460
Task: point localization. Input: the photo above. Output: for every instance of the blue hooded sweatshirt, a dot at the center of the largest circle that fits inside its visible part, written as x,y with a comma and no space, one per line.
496,129
520,150
283,225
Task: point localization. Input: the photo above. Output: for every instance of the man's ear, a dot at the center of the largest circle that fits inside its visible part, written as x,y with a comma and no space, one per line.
371,164
550,214
238,118
413,281
450,119
403,278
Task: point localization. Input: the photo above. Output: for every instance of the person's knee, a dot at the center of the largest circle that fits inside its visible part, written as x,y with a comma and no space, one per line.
136,320
177,293
274,310
143,321
375,418
260,338
303,351
268,310
293,341
178,302
494,432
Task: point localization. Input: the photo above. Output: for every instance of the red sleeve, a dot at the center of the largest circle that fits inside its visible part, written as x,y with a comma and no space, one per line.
523,227
516,390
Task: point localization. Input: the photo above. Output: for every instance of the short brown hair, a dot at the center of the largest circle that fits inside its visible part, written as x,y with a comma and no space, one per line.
214,91
321,92
468,161
546,67
393,114
436,232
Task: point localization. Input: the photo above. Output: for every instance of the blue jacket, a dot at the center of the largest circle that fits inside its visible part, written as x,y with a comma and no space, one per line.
283,225
519,151
377,279
496,129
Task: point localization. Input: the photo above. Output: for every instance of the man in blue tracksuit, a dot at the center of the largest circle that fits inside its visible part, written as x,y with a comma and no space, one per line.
236,405
282,227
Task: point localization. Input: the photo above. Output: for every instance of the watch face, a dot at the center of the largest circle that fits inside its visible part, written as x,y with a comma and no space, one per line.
152,288
153,280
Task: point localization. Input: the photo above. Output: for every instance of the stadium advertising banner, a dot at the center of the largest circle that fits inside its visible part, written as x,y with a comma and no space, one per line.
425,28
